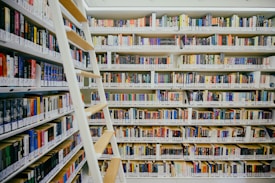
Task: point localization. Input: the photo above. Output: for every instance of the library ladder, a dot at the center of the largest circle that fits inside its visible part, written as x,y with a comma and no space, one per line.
66,35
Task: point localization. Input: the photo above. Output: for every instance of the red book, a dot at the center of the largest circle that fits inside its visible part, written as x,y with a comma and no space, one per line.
17,23
3,65
30,2
32,63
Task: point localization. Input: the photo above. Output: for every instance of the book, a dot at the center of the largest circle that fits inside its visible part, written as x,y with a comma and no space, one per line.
14,113
7,19
2,105
7,115
3,68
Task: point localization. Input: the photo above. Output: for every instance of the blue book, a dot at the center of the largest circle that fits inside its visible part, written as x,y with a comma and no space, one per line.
31,133
20,69
35,140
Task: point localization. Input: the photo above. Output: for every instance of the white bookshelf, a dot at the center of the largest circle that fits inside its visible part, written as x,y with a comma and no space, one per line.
175,52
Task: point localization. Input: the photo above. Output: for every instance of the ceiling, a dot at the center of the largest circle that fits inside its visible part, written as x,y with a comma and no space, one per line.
180,3
194,8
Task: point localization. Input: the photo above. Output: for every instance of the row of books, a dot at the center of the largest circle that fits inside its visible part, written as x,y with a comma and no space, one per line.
39,8
188,115
145,21
228,40
44,169
23,148
206,78
197,168
134,151
228,134
186,77
16,23
126,77
184,20
180,97
181,41
203,61
29,109
68,173
231,96
17,70
117,58
221,59
187,80
158,95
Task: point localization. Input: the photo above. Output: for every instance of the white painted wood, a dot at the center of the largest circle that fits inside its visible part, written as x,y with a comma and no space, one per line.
80,112
74,90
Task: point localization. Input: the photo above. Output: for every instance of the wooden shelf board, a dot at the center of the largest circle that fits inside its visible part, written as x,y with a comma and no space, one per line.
111,173
73,9
103,141
87,74
95,108
76,39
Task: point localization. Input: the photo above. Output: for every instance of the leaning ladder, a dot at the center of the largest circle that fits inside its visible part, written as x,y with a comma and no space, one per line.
64,36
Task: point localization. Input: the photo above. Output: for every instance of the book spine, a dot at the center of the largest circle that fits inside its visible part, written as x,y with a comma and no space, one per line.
2,105
7,115
3,68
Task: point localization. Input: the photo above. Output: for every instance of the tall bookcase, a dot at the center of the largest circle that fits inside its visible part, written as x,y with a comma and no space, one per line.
191,92
39,138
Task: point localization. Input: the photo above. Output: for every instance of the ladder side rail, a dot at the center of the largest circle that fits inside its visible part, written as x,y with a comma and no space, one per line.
75,92
99,83
102,96
109,124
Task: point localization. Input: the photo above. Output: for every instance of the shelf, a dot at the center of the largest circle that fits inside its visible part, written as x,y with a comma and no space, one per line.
172,86
27,10
45,151
182,122
185,30
259,50
74,10
171,158
13,42
156,104
198,179
183,68
103,141
111,173
95,108
19,89
79,41
186,141
87,74
25,128
61,164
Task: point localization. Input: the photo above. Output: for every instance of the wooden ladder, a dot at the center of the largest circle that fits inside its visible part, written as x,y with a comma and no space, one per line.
66,35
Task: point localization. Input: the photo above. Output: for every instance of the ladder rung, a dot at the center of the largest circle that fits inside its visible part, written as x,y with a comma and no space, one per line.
87,74
75,38
111,173
103,141
95,108
74,10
